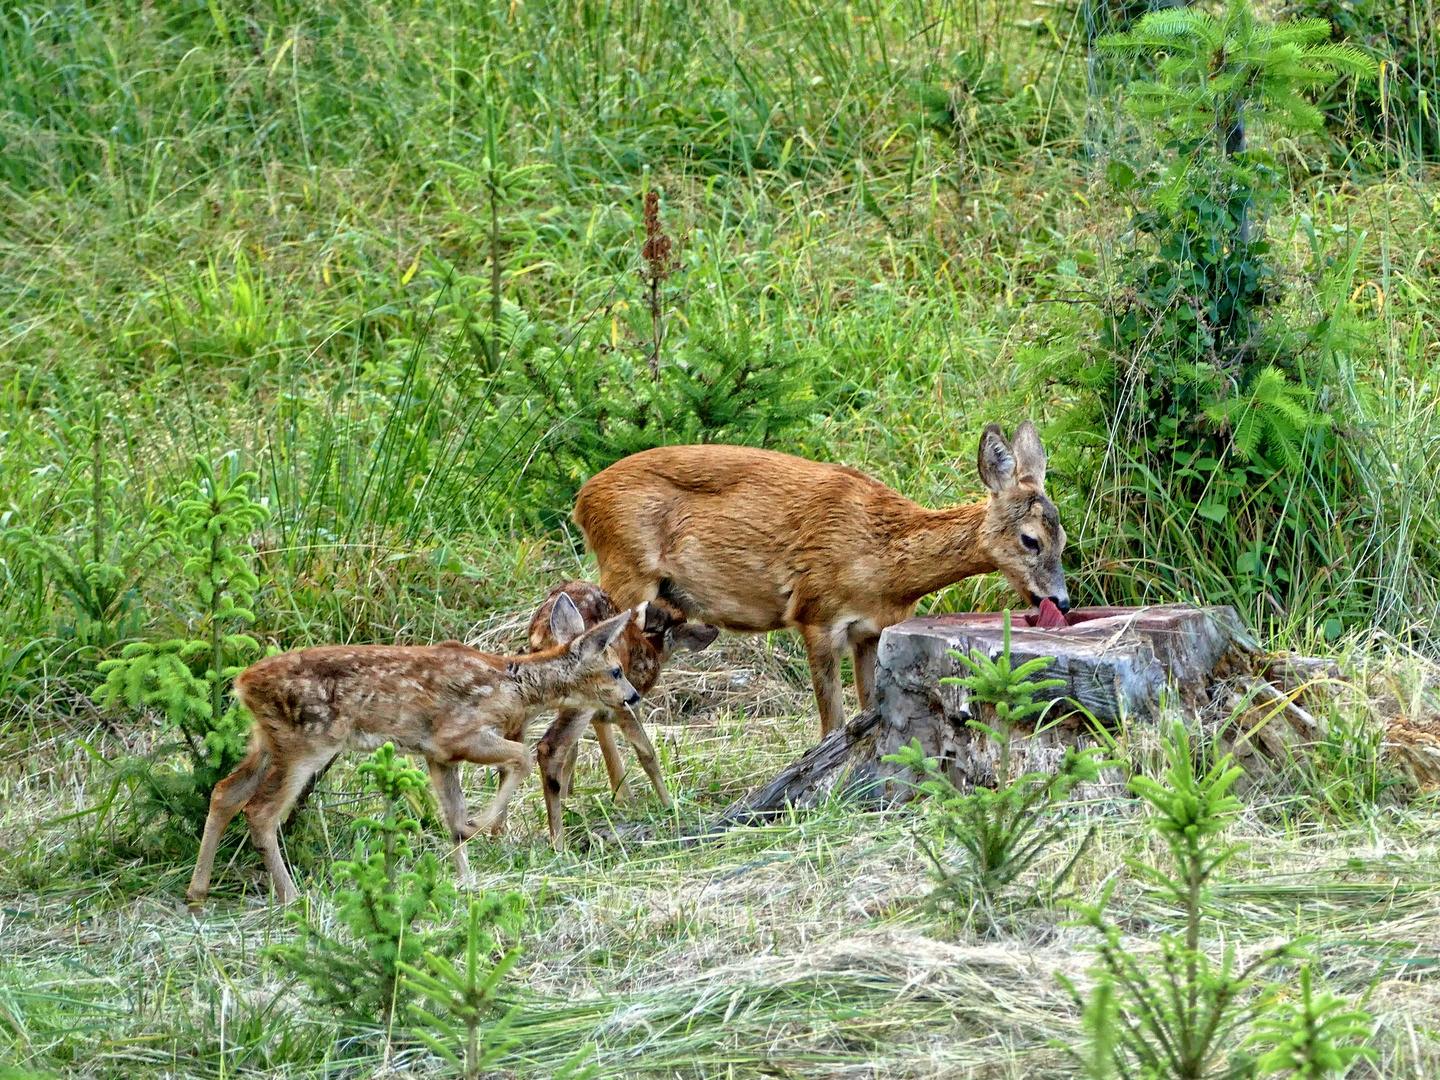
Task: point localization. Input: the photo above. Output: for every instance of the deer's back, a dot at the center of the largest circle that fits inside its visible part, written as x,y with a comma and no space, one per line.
364,694
741,537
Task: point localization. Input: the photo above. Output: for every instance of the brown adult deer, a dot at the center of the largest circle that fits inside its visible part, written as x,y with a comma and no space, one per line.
753,540
449,703
644,649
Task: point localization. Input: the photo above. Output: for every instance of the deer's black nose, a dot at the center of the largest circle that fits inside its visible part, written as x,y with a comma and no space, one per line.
1061,602
633,699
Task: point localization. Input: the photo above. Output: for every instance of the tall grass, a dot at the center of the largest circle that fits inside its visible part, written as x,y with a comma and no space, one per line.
247,227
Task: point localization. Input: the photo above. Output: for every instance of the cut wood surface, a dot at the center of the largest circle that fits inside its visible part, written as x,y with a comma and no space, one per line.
1119,665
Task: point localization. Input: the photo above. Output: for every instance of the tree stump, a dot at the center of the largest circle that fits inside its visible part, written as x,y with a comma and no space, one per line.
1119,665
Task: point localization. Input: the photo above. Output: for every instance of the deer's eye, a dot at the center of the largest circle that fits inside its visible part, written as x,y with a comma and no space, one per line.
615,673
1030,542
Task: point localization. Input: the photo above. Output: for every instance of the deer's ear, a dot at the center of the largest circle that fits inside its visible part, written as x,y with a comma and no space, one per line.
565,622
691,637
599,638
996,462
1029,455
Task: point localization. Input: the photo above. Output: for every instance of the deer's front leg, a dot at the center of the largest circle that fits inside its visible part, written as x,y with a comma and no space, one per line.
445,779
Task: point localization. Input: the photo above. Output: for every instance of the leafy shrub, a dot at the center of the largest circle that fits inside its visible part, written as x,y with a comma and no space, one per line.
186,678
1403,122
1001,832
1183,1015
392,915
1214,410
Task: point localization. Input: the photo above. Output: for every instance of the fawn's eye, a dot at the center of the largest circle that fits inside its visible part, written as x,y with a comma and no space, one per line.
615,673
1030,542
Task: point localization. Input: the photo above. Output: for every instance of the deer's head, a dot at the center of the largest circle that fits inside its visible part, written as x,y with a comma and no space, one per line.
596,668
1022,532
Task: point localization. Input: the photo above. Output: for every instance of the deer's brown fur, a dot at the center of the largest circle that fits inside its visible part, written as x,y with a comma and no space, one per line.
449,703
754,540
644,648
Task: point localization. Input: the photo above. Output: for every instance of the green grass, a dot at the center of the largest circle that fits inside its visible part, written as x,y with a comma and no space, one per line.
253,228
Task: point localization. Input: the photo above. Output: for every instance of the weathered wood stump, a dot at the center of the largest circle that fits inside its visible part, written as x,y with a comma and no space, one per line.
1119,666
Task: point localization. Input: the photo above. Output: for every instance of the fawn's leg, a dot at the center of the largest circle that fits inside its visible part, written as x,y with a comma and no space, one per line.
554,755
644,750
605,736
267,809
486,746
445,779
229,796
825,676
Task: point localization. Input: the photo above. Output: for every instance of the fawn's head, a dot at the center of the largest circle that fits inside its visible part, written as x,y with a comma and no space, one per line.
1022,532
644,647
595,667
667,631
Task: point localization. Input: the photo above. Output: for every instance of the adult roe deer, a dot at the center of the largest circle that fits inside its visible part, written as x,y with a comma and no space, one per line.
449,703
755,540
644,649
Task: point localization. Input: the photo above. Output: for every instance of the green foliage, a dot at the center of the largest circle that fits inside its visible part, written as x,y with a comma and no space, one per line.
1215,72
1399,123
1001,832
99,564
1183,1015
722,388
465,1000
210,524
1313,1037
393,907
1214,410
1347,773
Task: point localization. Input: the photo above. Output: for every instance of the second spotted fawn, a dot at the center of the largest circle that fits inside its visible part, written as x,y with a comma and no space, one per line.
644,648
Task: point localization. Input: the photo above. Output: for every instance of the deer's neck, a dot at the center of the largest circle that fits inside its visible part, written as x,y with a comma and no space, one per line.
540,679
937,548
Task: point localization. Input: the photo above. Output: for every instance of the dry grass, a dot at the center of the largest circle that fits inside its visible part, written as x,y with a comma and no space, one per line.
799,948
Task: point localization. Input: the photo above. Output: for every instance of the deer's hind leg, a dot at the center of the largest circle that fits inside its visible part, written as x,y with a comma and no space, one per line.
267,808
864,650
229,796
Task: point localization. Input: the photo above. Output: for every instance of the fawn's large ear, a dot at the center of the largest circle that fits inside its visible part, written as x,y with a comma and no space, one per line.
1029,455
565,622
599,638
690,637
996,462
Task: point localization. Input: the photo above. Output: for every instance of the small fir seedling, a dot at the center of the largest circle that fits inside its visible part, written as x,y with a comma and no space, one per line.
100,574
1001,832
1007,689
457,1004
185,678
1184,1014
389,902
1313,1037
501,180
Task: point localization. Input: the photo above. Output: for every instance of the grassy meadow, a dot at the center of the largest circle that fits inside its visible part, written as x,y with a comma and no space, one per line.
265,237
